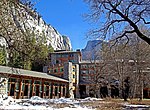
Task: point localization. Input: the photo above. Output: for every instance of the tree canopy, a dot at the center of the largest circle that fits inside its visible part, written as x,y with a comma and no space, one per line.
119,18
25,47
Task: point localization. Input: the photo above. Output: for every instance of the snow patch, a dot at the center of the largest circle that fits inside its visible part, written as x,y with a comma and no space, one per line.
6,100
88,99
137,107
37,100
37,103
63,100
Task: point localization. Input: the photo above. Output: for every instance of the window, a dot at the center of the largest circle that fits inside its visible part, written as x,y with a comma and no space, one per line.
58,56
26,81
12,80
51,93
57,61
26,90
73,69
71,61
64,91
84,66
91,71
84,72
65,55
37,91
12,89
61,69
47,90
85,77
46,83
71,55
73,75
55,70
56,89
37,82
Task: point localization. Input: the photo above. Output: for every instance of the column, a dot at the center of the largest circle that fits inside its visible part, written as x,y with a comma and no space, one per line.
6,86
20,88
61,91
29,89
49,91
33,92
66,91
53,91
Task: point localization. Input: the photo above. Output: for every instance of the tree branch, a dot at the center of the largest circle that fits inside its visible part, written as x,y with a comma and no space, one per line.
132,24
145,20
121,36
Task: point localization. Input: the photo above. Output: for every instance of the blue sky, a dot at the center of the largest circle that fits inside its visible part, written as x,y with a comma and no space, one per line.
66,17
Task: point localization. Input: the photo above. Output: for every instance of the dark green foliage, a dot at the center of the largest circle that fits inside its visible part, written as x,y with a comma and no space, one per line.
37,67
15,60
50,48
26,47
2,56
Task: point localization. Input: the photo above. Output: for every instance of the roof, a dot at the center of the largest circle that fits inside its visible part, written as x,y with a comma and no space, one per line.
90,61
63,52
17,71
83,82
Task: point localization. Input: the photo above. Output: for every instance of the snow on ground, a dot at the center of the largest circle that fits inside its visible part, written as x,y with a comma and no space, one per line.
137,107
89,99
37,103
63,100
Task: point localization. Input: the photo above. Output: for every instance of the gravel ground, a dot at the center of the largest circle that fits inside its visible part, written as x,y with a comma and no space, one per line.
118,104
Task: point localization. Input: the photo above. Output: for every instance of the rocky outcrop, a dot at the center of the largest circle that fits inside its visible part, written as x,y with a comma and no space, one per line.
29,21
2,42
91,51
54,38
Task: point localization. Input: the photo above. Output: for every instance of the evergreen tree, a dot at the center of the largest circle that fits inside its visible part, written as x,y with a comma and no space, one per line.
2,56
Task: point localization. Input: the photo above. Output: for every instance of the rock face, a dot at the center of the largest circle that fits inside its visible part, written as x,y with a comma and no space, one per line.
2,42
91,51
54,38
26,19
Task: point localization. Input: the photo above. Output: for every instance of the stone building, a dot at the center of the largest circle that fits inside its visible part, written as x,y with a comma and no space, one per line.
65,64
86,78
91,79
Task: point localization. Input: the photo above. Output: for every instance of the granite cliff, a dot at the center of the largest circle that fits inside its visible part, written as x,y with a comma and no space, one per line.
91,51
25,18
54,38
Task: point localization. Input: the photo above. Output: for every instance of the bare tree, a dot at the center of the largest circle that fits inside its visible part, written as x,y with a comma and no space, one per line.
129,60
119,18
140,64
117,67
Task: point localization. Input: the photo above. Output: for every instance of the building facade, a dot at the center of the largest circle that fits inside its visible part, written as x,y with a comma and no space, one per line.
66,76
65,64
86,78
20,83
